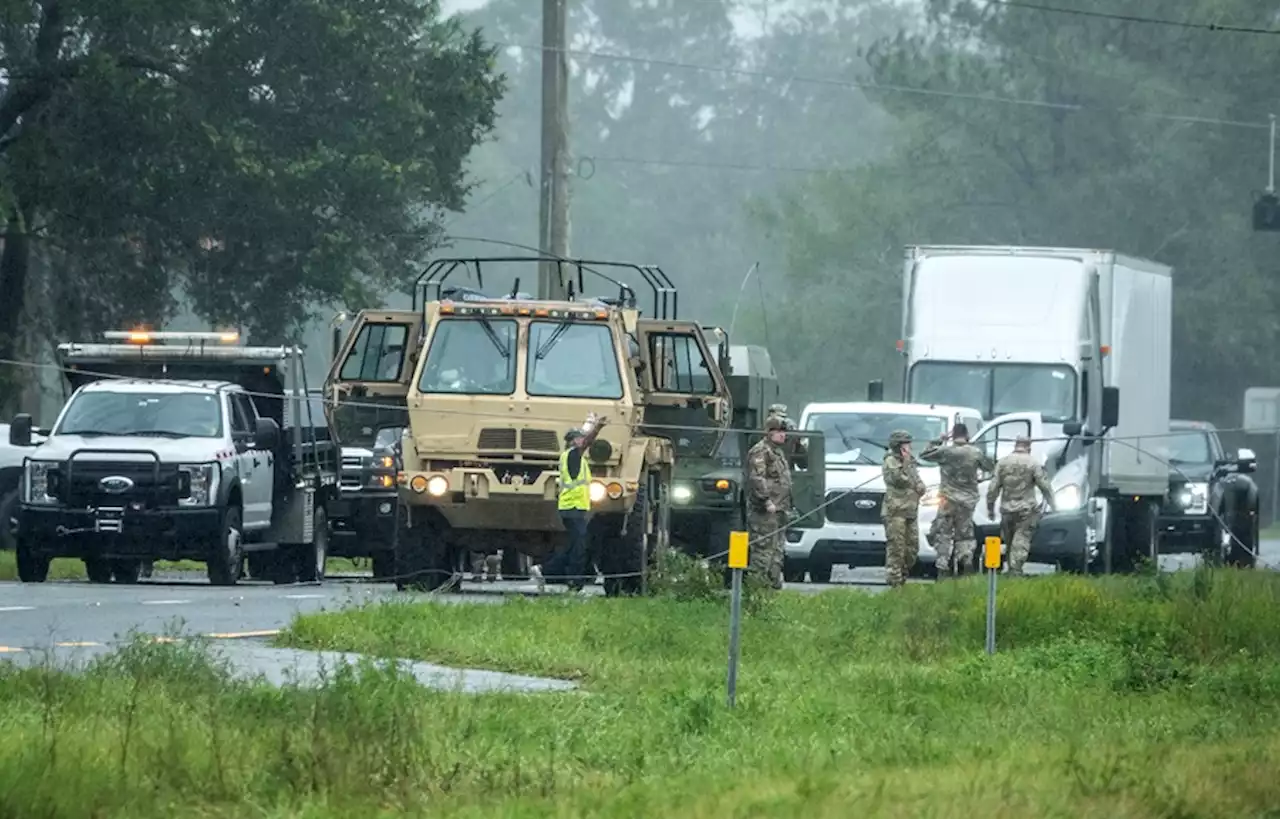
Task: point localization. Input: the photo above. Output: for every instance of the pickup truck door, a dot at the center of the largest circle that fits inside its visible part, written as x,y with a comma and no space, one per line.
256,466
372,370
996,440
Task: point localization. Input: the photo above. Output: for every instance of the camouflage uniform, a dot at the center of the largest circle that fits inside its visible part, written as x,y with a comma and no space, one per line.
768,479
951,534
1017,477
901,509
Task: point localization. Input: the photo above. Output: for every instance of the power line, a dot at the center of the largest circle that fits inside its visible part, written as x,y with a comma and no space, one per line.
729,166
896,89
1130,18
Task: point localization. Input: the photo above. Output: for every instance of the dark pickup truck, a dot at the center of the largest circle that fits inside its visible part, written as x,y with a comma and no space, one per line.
1212,507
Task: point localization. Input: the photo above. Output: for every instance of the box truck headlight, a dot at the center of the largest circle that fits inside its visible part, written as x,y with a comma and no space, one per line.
1194,498
1068,497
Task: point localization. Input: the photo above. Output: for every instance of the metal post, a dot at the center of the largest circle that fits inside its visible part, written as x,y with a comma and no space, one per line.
735,625
1275,478
553,227
1271,159
991,559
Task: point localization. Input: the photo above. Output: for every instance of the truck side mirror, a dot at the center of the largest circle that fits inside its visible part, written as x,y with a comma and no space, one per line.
20,430
1072,428
1246,460
1110,407
266,434
875,390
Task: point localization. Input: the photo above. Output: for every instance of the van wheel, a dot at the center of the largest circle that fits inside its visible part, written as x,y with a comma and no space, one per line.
311,557
225,564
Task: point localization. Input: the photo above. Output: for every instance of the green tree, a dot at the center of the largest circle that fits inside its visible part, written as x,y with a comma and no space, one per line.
261,157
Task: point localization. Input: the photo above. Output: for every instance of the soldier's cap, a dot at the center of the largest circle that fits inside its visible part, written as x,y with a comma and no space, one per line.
773,424
777,409
899,436
573,433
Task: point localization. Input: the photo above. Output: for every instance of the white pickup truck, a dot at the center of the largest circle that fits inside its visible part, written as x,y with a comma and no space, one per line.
137,469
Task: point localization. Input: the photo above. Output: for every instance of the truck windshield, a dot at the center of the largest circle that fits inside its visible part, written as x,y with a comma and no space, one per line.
471,356
1049,389
1189,448
572,360
863,437
170,414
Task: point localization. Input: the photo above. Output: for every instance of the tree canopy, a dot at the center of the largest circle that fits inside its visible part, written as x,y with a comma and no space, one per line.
260,157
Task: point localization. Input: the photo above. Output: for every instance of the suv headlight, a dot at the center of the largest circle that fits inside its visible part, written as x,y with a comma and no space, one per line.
1068,497
202,484
1193,498
36,480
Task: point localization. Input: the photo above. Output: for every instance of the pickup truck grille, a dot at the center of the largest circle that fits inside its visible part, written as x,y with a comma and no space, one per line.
854,507
83,489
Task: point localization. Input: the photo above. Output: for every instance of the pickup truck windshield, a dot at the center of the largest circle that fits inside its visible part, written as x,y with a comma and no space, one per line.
173,414
572,360
1189,448
471,356
862,437
1048,389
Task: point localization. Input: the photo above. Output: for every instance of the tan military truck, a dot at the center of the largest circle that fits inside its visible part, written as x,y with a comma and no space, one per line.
499,382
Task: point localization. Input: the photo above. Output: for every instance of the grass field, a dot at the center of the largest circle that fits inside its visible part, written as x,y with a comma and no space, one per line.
1152,697
71,569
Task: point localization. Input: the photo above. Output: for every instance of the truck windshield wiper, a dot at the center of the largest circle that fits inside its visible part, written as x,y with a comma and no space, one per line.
156,433
852,440
503,349
545,347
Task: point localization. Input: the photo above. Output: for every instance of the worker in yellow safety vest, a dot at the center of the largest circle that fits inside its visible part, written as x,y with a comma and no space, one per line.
574,504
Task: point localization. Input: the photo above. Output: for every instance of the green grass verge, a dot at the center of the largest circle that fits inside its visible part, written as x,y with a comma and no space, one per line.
1118,697
73,569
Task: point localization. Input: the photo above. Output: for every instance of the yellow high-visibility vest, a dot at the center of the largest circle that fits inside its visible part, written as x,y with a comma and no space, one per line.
575,493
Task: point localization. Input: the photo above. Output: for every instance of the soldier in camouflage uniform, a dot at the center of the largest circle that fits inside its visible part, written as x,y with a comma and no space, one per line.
951,534
1017,477
768,501
901,509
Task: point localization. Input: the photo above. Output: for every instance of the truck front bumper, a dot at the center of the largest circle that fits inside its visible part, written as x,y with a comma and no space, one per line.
362,524
849,544
159,534
1180,533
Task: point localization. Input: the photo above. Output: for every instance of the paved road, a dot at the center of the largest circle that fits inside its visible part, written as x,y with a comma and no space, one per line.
76,612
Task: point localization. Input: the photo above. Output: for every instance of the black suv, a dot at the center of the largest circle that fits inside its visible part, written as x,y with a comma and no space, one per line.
1212,507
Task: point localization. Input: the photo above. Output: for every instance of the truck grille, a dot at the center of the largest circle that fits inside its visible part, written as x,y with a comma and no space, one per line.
497,439
854,507
83,490
539,440
352,462
352,470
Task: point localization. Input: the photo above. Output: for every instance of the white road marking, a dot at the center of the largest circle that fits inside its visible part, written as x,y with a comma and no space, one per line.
164,602
303,596
17,608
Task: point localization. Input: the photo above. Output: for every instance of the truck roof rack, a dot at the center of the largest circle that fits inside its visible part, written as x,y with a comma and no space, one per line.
429,286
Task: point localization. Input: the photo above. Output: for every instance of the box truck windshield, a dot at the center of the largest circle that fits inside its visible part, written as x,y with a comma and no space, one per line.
997,389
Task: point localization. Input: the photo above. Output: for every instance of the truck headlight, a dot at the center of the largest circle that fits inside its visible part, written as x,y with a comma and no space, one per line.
36,479
930,497
597,492
1066,498
681,493
201,484
1193,498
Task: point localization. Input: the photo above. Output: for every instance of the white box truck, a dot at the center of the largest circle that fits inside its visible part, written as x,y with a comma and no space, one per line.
1045,341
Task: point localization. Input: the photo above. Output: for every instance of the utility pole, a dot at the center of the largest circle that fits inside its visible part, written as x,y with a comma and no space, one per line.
553,217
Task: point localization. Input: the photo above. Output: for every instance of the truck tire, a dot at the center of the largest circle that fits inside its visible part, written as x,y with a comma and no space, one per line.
226,554
126,572
820,572
310,557
423,559
623,555
384,566
97,569
8,508
33,566
1242,551
1139,537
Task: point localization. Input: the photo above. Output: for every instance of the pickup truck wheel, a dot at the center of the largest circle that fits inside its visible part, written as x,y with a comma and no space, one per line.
226,554
820,572
98,569
126,572
33,566
793,571
8,508
311,557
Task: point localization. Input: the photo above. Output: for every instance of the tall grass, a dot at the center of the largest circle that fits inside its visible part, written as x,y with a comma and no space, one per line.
1138,697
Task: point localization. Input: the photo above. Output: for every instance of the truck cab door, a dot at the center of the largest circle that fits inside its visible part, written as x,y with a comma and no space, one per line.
255,465
996,440
368,381
808,478
684,387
